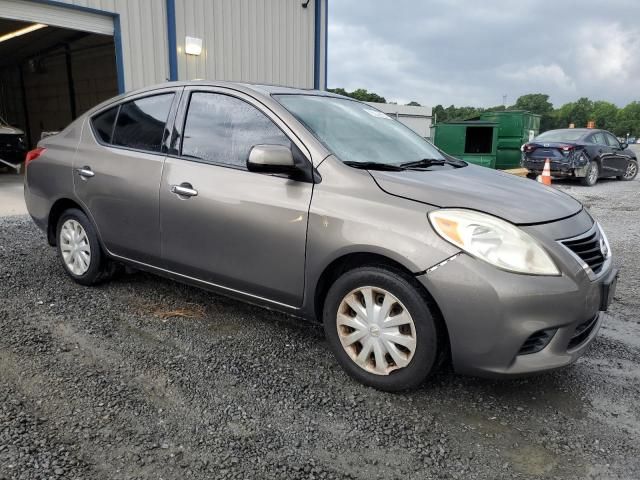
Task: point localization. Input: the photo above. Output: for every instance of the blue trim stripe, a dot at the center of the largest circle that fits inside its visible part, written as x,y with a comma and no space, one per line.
117,41
326,43
316,44
172,41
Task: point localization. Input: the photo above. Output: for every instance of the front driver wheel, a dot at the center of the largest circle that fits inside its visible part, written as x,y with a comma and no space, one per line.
592,175
632,171
381,328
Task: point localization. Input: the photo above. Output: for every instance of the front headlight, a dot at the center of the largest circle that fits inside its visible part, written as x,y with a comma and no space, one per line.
493,240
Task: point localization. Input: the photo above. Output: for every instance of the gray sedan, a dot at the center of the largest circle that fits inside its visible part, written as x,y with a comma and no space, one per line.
327,209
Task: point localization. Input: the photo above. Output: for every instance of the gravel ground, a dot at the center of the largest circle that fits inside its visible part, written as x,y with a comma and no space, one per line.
147,378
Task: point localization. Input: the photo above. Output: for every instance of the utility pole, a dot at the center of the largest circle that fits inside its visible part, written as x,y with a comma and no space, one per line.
504,99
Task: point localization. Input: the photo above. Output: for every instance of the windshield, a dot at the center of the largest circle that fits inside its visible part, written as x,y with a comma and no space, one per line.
560,136
356,132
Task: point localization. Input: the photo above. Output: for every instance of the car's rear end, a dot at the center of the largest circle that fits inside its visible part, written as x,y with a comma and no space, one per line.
48,172
566,159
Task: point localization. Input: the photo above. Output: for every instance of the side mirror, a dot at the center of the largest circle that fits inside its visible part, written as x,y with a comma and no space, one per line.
624,146
270,159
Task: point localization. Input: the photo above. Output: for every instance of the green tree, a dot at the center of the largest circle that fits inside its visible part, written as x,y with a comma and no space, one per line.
361,94
579,113
605,115
537,103
628,120
453,113
413,103
439,114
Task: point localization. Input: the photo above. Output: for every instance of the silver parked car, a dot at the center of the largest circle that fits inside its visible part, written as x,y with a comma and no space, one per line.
325,208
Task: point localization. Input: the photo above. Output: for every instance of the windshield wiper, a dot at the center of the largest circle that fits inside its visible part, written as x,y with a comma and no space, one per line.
424,162
375,166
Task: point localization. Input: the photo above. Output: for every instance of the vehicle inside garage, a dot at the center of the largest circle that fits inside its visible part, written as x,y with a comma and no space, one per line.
49,76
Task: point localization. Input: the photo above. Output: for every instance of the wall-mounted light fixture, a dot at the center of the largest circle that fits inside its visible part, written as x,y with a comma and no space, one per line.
192,46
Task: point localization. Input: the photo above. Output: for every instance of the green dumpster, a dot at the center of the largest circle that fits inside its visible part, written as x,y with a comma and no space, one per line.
474,141
515,128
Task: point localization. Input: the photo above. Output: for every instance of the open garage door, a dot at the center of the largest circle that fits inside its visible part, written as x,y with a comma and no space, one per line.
57,16
55,63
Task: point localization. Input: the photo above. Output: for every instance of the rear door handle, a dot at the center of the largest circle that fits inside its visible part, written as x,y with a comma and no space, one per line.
184,190
85,172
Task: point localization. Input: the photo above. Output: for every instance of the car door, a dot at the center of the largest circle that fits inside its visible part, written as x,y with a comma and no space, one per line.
601,149
239,230
117,172
616,163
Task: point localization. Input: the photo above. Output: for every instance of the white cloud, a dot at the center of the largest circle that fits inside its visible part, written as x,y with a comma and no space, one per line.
471,53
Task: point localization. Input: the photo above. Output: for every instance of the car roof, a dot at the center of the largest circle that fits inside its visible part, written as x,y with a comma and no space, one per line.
263,88
583,131
260,88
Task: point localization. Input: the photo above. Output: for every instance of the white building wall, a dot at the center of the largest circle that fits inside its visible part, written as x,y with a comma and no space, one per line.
143,26
417,119
270,41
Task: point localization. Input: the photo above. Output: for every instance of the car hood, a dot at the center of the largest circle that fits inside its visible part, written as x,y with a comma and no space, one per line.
511,198
7,130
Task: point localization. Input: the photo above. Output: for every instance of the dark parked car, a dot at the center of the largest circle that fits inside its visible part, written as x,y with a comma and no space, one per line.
582,153
13,146
327,209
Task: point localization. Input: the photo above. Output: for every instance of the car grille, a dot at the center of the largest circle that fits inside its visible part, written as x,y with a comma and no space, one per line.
582,332
537,341
588,249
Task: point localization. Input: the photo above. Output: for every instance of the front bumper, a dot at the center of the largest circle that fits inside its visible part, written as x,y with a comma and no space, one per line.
490,314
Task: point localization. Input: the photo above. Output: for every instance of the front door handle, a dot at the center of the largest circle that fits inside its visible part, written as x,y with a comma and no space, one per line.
85,172
184,190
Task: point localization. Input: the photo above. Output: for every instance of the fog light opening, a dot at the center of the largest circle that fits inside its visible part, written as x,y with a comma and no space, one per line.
537,341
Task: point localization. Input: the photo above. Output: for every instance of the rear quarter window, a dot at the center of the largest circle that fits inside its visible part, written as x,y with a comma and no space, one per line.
103,124
141,123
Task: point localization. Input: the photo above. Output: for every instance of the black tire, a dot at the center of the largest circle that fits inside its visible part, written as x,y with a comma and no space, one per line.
430,344
631,173
532,175
100,267
591,178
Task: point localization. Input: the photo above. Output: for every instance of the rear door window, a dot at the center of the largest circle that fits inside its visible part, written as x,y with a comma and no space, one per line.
221,129
612,141
141,123
598,138
103,124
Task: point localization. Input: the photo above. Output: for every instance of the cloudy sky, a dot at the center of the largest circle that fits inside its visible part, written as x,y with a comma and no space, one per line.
472,52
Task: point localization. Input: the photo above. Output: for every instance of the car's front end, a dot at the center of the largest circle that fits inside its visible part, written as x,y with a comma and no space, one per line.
519,272
503,323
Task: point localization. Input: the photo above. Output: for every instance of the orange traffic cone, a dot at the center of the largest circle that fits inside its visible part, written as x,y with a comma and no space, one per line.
545,178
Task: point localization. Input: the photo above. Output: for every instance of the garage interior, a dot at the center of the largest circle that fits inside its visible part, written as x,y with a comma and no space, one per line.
50,75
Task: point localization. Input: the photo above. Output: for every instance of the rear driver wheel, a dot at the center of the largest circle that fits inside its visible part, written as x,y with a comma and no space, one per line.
79,249
591,177
381,328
